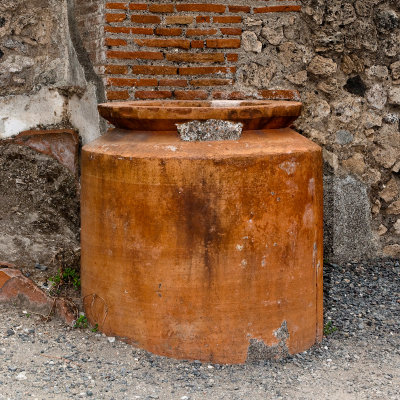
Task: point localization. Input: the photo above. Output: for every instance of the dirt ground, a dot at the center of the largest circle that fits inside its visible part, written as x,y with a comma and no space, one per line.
358,359
39,213
50,361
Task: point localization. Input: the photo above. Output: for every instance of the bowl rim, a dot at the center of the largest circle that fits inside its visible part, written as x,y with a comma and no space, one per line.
199,109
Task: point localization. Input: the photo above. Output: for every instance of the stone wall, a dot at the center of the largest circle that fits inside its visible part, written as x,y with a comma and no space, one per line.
351,68
341,57
43,83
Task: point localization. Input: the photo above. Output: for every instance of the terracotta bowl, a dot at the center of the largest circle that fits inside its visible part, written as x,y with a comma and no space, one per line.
204,250
164,115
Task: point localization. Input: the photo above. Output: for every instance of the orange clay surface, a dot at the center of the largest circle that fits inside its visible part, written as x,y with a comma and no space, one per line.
194,249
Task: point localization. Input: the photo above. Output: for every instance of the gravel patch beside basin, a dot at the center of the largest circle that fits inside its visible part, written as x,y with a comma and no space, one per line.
360,360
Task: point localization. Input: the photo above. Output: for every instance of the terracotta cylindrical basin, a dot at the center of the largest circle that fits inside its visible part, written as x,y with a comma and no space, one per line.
208,250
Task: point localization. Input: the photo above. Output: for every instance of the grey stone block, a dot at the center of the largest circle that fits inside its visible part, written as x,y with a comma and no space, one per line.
347,220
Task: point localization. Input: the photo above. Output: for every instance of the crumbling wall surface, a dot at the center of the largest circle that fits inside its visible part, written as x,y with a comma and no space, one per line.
39,209
42,82
88,29
349,64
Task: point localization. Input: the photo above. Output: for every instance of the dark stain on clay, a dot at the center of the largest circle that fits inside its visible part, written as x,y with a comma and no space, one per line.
259,351
202,225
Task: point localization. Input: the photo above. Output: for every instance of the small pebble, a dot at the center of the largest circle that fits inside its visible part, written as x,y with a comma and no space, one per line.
41,267
21,376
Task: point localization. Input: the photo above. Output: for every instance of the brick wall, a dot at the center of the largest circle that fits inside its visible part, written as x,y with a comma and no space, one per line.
183,49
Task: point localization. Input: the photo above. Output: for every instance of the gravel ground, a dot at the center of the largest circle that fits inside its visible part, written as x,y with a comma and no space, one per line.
360,360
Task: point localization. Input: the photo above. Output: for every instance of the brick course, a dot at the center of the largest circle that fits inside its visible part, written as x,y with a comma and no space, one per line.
195,43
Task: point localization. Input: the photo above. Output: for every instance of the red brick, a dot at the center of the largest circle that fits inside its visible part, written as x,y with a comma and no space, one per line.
60,144
205,70
210,82
154,70
115,17
131,82
231,31
203,19
147,94
196,57
117,6
16,288
117,29
227,20
168,31
178,20
117,95
229,95
190,94
276,9
146,82
142,31
133,55
215,8
115,42
161,8
121,82
145,19
172,82
138,6
197,44
176,43
232,57
116,69
223,43
236,9
201,32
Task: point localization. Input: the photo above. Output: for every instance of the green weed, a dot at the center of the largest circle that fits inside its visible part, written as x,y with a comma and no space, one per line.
66,277
329,328
81,323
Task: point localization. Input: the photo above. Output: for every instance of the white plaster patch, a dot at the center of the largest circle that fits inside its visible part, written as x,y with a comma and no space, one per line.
23,112
84,116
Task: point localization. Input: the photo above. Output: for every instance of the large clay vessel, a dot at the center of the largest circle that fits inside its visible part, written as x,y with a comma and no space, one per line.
204,250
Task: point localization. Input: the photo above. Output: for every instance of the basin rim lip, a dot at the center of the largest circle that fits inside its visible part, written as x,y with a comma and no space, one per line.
199,109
